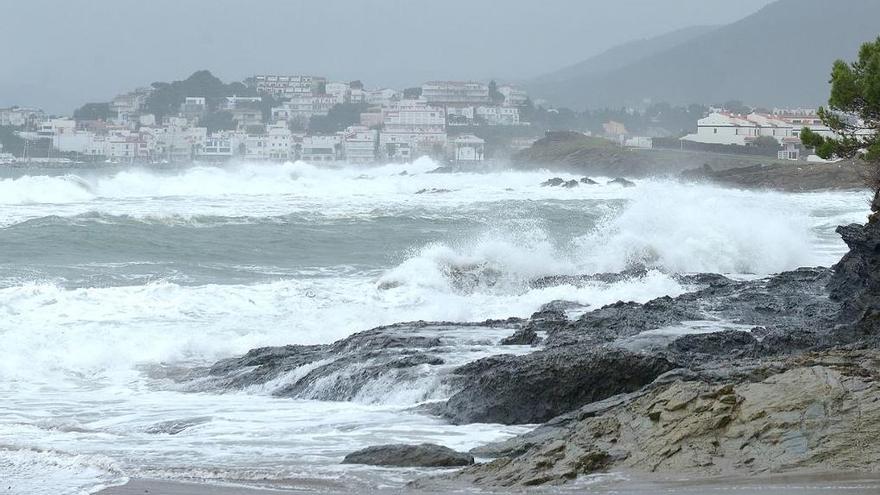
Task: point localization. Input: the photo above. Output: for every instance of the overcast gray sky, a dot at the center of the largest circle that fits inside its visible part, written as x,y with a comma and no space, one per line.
61,53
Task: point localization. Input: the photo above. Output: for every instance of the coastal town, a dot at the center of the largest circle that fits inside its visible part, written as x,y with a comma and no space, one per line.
270,117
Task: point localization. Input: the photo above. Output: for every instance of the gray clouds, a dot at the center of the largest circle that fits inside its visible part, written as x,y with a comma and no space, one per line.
70,52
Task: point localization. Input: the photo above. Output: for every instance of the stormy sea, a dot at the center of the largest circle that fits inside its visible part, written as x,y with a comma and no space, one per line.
114,282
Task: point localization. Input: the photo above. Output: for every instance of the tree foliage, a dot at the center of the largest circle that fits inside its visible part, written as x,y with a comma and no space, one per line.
219,121
94,111
166,98
495,95
338,118
412,93
853,114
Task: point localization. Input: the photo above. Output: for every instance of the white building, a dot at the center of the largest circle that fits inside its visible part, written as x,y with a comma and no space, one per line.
359,144
340,91
233,102
412,113
321,148
498,115
256,147
130,104
456,93
194,108
468,149
219,146
382,97
280,141
730,129
288,86
54,127
514,97
20,116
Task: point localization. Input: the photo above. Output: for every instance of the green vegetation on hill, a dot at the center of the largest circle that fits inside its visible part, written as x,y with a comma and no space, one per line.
167,97
338,118
94,111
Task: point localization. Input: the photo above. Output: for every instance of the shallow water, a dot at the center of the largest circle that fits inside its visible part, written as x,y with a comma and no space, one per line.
108,275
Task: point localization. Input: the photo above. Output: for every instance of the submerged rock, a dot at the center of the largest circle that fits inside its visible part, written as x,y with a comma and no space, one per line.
620,181
588,181
556,181
366,366
424,455
523,336
570,184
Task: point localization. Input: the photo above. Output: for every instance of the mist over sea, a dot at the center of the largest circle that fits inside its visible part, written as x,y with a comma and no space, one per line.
112,280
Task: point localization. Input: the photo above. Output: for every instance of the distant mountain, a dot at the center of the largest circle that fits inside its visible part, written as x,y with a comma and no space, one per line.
778,56
622,55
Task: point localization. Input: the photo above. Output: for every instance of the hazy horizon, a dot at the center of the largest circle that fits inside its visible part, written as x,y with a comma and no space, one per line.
76,53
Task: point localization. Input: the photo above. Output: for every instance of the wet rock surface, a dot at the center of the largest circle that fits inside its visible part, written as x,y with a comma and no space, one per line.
620,181
365,366
423,455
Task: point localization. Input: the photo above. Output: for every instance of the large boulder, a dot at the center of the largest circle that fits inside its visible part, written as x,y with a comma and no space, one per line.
539,386
424,455
856,281
556,181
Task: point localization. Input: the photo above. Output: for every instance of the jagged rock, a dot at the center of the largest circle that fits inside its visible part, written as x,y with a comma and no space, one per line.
175,426
620,181
538,386
424,455
570,184
856,281
588,181
523,336
554,182
583,280
819,411
362,363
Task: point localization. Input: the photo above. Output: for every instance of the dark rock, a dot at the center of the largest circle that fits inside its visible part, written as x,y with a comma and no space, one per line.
523,336
402,354
620,181
583,280
432,191
570,184
856,281
175,426
424,455
554,182
544,384
588,181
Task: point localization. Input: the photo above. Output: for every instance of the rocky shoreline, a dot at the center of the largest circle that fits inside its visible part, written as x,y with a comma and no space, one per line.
578,154
786,381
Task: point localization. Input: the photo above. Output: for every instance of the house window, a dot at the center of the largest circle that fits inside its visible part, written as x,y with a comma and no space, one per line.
716,130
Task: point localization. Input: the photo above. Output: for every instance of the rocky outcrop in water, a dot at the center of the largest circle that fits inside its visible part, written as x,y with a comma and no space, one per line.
366,366
620,181
791,386
732,377
536,387
424,455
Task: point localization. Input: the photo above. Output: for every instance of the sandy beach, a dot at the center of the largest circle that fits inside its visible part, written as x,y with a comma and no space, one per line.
818,484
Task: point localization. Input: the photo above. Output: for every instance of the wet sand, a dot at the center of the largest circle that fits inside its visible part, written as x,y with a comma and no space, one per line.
817,484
